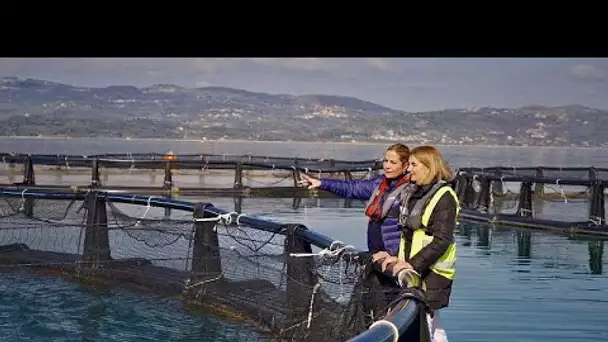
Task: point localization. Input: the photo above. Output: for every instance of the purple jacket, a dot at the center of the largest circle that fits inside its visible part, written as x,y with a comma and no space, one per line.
382,235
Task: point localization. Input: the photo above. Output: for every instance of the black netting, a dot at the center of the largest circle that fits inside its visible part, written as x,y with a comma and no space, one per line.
273,283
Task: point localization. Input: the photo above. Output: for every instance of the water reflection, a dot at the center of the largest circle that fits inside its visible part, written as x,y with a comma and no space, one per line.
596,252
489,240
483,240
524,246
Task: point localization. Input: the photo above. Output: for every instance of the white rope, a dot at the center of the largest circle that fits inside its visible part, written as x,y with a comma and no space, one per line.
561,190
595,220
138,222
225,218
147,208
389,324
204,281
492,203
330,251
524,210
238,223
273,172
132,162
312,301
22,208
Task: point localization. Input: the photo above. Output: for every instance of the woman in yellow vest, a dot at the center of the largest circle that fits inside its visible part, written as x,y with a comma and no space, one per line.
428,216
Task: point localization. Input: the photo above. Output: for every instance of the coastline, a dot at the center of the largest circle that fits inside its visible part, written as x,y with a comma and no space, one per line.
356,143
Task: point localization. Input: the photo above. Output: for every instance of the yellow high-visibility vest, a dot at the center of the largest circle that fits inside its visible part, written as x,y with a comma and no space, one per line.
445,266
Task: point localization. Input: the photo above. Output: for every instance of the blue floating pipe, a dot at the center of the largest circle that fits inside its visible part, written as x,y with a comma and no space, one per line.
145,200
42,194
395,324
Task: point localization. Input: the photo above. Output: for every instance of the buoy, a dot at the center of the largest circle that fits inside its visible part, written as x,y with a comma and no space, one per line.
170,156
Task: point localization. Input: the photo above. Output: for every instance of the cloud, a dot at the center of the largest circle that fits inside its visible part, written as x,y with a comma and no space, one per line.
380,64
150,69
166,65
203,66
304,64
588,72
207,65
202,84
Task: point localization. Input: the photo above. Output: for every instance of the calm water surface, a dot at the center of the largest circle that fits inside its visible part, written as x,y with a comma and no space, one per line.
511,285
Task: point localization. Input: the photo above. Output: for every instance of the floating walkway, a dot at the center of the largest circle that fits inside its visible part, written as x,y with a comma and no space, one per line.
199,164
483,193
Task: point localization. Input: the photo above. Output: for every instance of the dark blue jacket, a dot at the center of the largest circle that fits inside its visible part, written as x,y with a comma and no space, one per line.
382,235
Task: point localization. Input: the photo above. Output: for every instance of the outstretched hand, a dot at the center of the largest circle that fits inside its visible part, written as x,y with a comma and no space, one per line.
309,181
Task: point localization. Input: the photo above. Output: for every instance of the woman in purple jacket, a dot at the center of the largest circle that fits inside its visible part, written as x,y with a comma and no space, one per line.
383,194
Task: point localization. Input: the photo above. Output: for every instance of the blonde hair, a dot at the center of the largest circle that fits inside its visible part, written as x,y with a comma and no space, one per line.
430,157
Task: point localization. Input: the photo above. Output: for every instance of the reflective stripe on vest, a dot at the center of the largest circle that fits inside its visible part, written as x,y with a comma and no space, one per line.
445,265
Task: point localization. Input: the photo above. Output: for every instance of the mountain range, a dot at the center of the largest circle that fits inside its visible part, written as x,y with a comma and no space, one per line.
32,107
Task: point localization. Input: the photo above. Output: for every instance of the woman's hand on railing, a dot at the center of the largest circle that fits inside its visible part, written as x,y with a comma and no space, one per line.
390,263
400,266
408,277
401,270
312,182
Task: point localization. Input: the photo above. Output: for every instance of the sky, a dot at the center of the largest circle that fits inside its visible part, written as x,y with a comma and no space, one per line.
410,84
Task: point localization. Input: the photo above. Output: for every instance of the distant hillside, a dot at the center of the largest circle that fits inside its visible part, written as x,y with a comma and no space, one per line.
35,107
